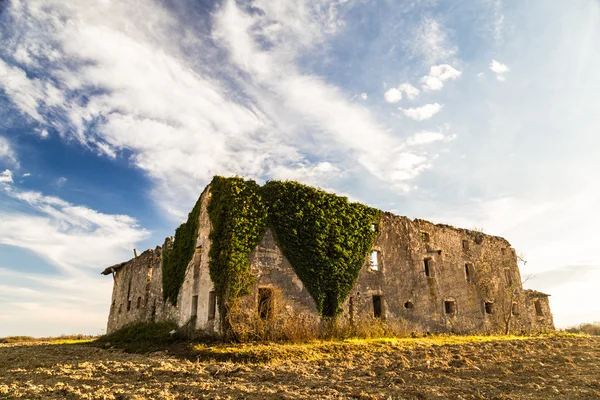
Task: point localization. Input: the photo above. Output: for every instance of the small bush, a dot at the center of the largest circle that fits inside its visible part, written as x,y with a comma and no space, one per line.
586,328
143,337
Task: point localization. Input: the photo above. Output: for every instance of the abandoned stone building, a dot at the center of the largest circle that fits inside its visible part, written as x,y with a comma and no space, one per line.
432,277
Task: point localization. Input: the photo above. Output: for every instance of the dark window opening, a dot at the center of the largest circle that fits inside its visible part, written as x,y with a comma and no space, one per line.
212,305
409,305
424,237
120,308
450,307
468,273
265,303
503,250
508,277
129,305
489,307
194,306
139,302
428,267
465,244
377,306
538,308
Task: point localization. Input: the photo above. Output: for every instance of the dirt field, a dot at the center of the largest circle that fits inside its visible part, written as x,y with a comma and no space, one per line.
438,368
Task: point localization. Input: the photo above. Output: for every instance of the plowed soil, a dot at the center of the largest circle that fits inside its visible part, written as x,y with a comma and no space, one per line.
536,368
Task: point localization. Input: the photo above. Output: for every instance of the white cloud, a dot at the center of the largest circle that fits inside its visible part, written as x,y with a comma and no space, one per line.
363,96
422,113
431,42
499,69
75,239
6,176
438,74
410,91
7,153
394,95
25,175
61,181
69,236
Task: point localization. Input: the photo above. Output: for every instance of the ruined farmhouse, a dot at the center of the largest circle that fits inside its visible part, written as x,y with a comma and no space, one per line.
286,250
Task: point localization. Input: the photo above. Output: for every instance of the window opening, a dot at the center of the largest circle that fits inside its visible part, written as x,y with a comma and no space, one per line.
450,307
489,307
212,305
377,306
515,309
194,306
265,303
428,267
128,305
374,261
409,305
468,273
139,302
508,277
424,237
538,308
465,245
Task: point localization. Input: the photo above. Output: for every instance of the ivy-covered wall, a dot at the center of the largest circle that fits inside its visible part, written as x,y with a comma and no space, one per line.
325,237
176,259
238,217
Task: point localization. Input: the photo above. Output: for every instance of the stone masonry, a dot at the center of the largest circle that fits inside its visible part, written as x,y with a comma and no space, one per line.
431,277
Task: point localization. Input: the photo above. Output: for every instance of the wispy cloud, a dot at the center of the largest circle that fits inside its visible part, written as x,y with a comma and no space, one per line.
430,42
182,122
7,153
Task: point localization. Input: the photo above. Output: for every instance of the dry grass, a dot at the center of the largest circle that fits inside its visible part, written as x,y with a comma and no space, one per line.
62,339
441,367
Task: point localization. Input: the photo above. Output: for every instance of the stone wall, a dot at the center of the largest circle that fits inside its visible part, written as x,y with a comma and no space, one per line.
443,279
432,277
137,291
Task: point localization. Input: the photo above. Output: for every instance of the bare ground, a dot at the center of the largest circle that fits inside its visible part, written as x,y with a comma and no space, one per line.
536,368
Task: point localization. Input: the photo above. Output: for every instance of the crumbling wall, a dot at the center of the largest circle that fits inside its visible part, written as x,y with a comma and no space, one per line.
137,291
196,301
465,270
433,277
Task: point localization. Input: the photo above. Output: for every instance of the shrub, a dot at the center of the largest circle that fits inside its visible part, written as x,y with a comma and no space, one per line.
586,328
143,337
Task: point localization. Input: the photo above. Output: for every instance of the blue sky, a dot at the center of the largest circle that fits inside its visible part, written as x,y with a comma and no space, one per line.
115,114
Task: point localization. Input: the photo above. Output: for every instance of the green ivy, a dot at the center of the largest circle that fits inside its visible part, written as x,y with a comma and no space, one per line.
238,218
176,259
325,238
